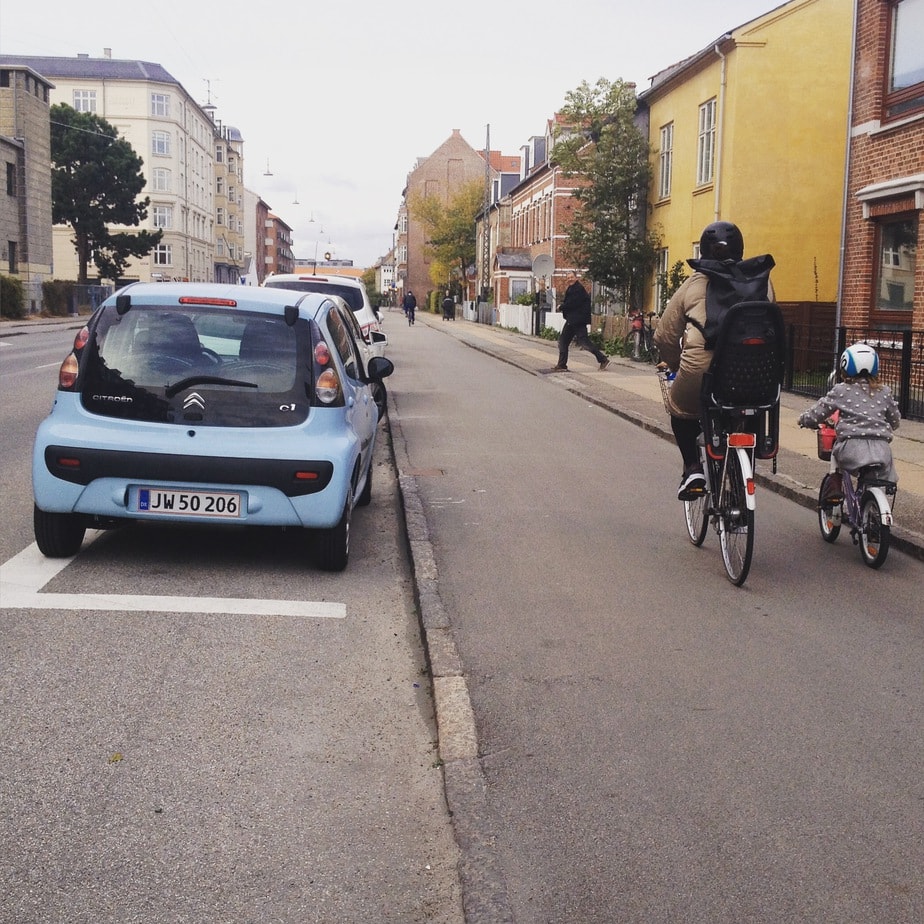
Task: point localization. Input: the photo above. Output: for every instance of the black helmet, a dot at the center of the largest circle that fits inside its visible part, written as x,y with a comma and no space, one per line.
721,241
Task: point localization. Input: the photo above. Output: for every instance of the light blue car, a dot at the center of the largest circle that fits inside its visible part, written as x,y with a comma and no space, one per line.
204,403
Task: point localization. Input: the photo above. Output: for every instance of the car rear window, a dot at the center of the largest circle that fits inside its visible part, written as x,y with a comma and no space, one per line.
350,294
245,368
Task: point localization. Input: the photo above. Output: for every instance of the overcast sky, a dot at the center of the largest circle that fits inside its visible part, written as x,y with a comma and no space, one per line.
340,98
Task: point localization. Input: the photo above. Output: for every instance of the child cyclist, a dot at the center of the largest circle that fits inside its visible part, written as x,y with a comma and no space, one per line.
866,416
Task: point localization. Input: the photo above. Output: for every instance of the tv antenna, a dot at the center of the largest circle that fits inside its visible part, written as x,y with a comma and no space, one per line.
208,90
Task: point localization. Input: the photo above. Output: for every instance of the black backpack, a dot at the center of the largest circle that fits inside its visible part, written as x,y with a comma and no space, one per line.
730,283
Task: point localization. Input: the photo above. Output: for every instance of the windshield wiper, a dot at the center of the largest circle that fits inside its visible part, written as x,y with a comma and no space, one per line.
177,387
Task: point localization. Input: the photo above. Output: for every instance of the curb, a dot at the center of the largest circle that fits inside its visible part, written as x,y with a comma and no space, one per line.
485,898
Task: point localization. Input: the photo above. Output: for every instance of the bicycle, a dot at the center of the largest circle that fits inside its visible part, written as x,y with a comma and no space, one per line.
740,401
642,336
866,509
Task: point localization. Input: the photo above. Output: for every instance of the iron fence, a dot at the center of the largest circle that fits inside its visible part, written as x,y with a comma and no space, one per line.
812,354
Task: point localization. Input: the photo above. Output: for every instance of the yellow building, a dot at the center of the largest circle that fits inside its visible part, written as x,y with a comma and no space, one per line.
753,129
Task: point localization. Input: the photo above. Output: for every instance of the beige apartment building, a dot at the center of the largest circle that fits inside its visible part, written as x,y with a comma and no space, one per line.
175,137
25,175
230,258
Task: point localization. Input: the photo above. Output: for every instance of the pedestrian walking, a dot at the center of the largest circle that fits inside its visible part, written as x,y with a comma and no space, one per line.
575,308
449,308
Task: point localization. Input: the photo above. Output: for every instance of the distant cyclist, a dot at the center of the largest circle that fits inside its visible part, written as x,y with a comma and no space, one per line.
410,306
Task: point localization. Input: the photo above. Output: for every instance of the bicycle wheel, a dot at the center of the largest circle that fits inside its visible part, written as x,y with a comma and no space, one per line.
874,535
736,523
696,514
830,516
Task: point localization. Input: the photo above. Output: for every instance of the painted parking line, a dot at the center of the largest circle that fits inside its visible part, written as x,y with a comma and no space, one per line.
23,577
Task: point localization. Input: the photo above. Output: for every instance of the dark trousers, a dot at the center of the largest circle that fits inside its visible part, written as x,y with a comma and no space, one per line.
572,331
686,433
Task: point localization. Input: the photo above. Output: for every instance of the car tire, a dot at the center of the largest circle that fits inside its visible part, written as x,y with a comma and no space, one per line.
334,543
365,496
58,535
380,396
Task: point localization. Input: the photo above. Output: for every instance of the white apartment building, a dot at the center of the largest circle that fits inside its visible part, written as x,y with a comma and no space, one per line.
177,140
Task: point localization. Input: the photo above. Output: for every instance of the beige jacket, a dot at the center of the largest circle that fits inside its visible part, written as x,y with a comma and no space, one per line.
683,347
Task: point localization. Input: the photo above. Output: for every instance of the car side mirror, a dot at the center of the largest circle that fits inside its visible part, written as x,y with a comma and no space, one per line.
378,368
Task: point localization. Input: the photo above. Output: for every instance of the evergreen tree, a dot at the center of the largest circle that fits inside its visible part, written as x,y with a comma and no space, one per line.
96,179
599,145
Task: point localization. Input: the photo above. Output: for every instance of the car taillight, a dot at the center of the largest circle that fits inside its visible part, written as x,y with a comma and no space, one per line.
322,354
67,374
327,387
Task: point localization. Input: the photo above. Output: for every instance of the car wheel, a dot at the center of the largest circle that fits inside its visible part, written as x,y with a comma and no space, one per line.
58,535
380,396
365,496
334,543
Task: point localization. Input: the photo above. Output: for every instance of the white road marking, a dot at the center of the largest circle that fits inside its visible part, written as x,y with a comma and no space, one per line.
25,574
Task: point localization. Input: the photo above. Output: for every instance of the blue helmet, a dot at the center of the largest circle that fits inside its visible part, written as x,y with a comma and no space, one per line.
859,359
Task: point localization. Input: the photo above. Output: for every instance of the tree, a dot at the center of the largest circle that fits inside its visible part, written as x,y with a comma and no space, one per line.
669,282
96,179
599,143
450,229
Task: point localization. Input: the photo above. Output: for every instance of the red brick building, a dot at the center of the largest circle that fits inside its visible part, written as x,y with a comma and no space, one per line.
882,282
453,164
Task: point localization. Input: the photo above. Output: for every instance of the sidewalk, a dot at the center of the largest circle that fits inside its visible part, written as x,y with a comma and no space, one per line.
632,391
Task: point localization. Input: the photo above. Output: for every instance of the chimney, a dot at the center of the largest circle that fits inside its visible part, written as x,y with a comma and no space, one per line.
107,53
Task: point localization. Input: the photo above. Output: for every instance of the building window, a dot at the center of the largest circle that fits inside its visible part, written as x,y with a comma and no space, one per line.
898,247
220,185
219,216
905,90
10,179
160,105
661,280
163,255
85,100
161,179
665,161
219,154
705,150
162,216
13,257
518,287
160,143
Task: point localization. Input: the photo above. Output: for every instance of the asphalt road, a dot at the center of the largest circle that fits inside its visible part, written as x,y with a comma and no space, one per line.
165,759
645,742
624,736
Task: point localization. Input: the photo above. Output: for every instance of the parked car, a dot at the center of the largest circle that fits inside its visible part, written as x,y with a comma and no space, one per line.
351,290
204,403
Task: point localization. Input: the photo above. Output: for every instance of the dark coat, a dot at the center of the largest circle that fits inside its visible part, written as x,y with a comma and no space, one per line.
575,306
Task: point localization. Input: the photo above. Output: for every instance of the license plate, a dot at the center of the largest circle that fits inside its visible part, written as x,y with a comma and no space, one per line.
224,504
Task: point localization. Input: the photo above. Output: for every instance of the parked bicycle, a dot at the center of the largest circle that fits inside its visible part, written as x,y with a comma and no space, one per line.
642,337
741,424
866,509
